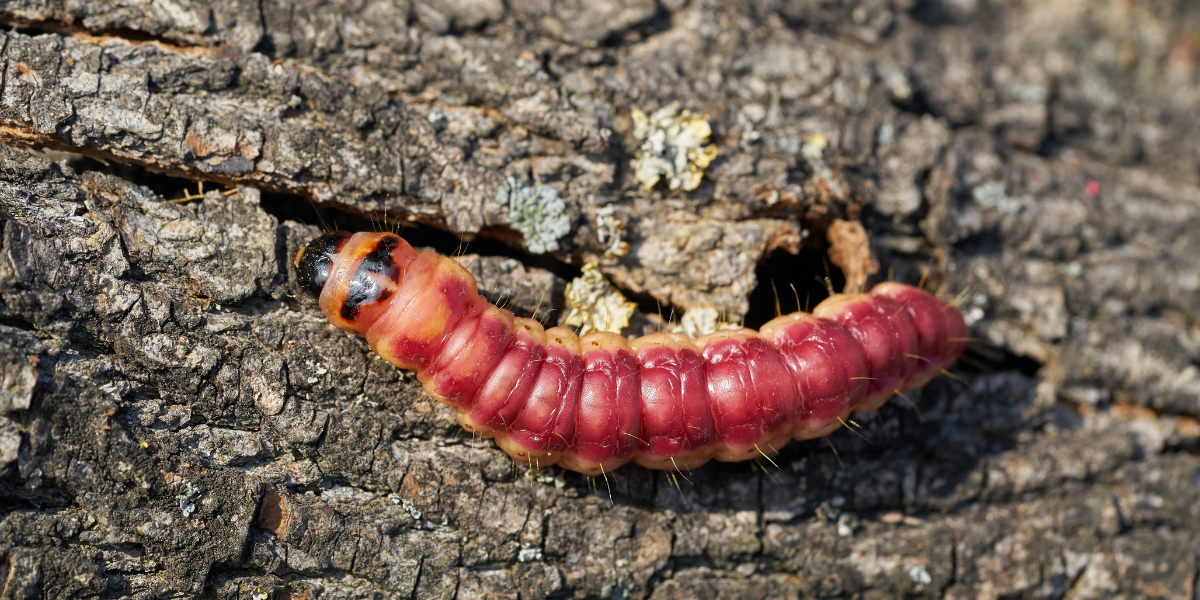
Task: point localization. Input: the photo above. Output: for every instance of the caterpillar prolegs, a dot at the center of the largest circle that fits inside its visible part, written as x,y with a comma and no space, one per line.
665,401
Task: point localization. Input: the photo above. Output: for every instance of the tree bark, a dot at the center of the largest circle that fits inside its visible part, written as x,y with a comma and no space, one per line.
178,420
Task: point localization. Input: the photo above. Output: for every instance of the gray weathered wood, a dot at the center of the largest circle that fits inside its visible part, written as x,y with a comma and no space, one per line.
178,420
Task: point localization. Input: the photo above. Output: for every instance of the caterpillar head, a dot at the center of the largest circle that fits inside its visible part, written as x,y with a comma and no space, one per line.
314,260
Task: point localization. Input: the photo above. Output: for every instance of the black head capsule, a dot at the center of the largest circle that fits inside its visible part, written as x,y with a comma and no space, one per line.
314,260
364,288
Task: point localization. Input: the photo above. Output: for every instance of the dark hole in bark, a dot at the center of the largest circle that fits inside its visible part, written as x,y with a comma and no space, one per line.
806,271
982,357
289,207
167,186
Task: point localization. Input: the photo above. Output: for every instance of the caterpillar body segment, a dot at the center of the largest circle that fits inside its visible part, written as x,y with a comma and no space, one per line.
677,422
827,365
593,404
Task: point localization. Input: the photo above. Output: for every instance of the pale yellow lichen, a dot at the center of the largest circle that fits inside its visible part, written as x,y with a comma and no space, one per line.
814,146
611,232
674,146
595,304
701,320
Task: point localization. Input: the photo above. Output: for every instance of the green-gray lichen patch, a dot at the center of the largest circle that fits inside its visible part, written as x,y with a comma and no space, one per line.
990,194
537,212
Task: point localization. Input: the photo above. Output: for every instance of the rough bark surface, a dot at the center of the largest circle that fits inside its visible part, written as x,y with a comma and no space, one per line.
178,420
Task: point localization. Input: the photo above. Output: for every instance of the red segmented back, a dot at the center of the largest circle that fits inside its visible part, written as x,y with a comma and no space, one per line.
677,424
665,400
827,364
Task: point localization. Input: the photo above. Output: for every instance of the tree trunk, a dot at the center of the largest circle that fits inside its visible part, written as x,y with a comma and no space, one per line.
177,419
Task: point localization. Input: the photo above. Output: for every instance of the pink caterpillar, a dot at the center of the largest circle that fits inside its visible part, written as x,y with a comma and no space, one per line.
665,401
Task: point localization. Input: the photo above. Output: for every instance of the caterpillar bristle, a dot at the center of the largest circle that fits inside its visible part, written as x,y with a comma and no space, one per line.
959,298
764,455
955,377
911,405
841,465
608,485
855,431
677,470
778,309
671,477
827,282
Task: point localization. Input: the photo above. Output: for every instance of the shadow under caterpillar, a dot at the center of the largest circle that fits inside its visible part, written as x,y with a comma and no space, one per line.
665,401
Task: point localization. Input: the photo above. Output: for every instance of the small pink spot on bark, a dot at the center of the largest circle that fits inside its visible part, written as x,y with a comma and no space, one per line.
1093,188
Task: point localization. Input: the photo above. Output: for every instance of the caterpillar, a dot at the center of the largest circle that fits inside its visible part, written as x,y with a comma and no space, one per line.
664,401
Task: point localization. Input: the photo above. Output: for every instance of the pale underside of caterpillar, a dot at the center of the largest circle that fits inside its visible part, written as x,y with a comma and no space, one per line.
665,401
